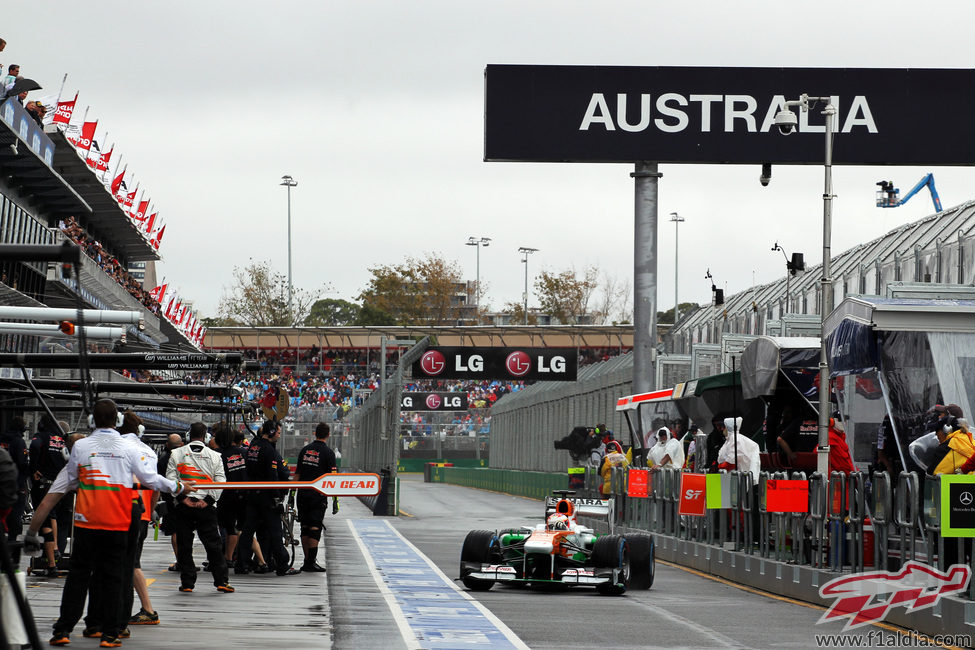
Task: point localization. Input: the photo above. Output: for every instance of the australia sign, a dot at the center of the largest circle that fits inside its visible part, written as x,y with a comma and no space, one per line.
556,113
529,364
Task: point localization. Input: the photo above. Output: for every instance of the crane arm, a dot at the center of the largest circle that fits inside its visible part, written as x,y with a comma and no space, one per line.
927,181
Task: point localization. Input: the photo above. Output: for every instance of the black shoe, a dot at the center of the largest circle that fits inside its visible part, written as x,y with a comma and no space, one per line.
92,632
241,570
206,566
313,568
262,569
50,572
289,572
59,638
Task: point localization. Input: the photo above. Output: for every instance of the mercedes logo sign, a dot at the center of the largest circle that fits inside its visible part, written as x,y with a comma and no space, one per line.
966,498
433,363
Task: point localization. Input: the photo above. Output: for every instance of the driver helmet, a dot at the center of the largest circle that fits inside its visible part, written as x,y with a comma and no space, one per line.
558,521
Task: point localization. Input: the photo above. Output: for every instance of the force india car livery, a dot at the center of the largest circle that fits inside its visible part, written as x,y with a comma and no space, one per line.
559,551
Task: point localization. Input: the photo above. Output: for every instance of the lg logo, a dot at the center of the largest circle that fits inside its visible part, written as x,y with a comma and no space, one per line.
518,363
432,362
433,401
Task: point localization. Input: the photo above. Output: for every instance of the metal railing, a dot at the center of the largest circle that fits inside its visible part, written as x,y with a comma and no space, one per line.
854,522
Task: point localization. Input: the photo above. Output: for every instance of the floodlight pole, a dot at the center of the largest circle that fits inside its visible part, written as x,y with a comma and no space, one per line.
289,182
478,242
645,179
525,252
677,220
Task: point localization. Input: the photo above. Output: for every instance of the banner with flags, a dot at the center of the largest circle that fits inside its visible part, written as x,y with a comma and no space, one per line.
150,223
83,141
103,160
140,213
119,183
159,293
129,200
64,111
157,238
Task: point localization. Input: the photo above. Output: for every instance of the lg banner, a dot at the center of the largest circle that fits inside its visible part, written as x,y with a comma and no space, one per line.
434,402
529,364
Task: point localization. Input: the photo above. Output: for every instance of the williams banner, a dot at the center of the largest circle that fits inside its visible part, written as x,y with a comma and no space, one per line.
434,402
528,364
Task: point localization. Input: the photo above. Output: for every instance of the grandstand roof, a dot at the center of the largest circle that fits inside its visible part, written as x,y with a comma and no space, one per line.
107,220
370,336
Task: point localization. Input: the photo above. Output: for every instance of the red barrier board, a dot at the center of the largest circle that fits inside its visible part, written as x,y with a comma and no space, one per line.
692,495
638,483
787,496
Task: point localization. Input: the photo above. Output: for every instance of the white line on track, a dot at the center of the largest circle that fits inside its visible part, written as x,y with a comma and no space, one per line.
720,640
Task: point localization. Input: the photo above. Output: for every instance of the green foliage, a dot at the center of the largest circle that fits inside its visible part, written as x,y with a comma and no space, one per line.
259,298
565,295
333,312
415,292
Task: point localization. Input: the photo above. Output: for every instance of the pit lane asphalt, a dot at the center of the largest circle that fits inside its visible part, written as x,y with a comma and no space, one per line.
345,607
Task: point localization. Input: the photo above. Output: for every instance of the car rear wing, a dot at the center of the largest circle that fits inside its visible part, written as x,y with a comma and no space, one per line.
583,507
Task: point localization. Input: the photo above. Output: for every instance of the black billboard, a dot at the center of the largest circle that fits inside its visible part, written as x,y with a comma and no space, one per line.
433,402
529,364
885,116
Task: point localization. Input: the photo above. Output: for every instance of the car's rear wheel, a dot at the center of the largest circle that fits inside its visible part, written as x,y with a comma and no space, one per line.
482,547
642,561
612,552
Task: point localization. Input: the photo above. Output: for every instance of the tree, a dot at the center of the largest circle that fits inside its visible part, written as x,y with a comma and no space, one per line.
416,291
517,311
685,308
565,296
614,302
259,298
332,311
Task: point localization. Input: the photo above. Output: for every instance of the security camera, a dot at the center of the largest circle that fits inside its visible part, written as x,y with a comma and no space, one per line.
786,120
766,174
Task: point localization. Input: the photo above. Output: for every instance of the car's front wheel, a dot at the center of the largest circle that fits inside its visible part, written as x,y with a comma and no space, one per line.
480,547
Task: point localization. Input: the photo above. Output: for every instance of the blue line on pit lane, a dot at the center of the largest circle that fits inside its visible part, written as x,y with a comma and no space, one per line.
436,611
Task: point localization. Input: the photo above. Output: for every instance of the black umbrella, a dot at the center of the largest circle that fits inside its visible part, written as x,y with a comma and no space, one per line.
22,85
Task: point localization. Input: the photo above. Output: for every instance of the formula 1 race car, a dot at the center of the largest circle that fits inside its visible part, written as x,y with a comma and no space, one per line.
560,552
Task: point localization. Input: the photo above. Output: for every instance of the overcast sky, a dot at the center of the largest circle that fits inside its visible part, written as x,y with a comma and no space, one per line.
376,109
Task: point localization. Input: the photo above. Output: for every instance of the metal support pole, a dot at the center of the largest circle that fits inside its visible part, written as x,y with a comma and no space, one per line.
289,182
825,297
645,178
677,219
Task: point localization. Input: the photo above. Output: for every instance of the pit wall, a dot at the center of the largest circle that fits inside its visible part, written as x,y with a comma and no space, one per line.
534,485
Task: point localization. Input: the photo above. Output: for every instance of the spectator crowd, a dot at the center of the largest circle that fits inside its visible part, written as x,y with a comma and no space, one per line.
108,262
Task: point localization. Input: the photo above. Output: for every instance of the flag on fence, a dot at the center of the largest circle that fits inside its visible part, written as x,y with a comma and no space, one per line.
718,491
62,115
83,141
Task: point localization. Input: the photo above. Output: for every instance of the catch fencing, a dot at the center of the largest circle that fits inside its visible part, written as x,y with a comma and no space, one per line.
525,424
371,442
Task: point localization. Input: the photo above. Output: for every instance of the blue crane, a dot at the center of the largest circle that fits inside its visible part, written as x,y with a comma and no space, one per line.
887,195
